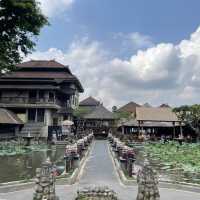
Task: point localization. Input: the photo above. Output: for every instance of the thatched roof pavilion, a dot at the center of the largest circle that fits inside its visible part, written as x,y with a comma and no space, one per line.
156,114
90,101
152,119
100,113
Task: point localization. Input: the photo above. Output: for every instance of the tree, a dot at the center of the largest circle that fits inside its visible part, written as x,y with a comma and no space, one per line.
20,22
182,112
114,109
191,116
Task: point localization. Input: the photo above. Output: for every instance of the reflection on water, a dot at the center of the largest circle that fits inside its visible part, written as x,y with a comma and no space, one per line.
20,167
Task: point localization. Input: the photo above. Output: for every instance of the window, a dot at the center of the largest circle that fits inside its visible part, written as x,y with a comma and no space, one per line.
31,115
36,115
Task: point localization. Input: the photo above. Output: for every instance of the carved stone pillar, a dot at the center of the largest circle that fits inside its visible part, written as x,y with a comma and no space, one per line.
45,183
147,184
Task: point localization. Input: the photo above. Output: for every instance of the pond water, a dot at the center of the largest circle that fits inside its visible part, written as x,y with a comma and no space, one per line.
166,171
20,167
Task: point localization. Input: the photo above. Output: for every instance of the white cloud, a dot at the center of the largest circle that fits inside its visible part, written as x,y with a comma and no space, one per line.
54,7
163,73
140,40
133,40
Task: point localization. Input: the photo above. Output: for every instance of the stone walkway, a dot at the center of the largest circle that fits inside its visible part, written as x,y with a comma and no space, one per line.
98,171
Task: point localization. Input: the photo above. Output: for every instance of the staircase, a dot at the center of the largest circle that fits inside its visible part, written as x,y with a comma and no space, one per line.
31,130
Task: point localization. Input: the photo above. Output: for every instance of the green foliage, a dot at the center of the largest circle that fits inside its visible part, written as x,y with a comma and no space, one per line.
12,149
122,115
80,112
182,112
114,109
172,155
20,21
191,115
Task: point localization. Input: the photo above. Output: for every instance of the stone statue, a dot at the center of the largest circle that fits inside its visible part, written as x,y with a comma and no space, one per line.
45,183
147,184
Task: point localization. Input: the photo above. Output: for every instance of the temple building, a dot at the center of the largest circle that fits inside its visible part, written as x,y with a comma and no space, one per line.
100,120
89,103
129,108
97,118
41,94
158,121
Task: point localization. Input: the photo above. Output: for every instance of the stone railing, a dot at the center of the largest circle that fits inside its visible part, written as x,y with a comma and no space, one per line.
124,154
75,152
146,178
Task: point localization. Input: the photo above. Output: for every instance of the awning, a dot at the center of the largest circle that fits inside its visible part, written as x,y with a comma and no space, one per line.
8,117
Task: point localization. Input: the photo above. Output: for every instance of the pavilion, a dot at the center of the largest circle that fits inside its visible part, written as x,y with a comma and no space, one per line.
156,121
100,120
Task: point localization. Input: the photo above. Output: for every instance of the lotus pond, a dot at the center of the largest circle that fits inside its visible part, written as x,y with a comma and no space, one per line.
174,161
11,148
18,162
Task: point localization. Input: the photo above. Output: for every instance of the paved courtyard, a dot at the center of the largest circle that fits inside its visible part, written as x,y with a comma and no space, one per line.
99,170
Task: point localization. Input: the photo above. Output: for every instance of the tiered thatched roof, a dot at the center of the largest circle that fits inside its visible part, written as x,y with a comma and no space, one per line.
90,101
40,71
100,112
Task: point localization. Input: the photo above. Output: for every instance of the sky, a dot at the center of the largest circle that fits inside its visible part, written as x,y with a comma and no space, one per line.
130,50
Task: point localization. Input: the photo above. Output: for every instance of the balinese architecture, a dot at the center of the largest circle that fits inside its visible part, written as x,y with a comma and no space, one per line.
156,121
42,94
89,103
100,120
129,108
97,118
10,124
